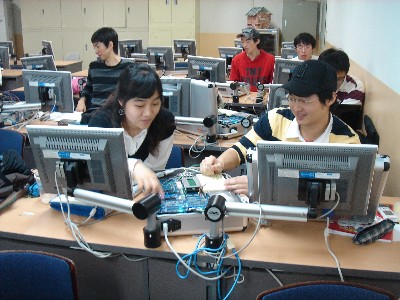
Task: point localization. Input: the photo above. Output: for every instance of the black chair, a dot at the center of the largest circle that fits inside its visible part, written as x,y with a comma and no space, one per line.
326,290
26,274
176,158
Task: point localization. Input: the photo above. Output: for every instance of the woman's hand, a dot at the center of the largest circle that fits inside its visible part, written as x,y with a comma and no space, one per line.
238,185
146,180
211,165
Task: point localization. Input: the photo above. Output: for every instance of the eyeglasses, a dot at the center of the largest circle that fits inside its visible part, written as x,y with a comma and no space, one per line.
303,47
301,101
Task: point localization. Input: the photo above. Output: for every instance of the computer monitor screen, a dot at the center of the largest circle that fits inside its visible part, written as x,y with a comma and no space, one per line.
183,48
161,57
43,62
47,48
53,89
9,45
176,94
210,68
4,58
325,177
277,96
228,53
288,53
269,40
289,45
283,69
128,47
84,157
238,43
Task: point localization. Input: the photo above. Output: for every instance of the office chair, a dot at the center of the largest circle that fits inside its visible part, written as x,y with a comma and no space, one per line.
26,274
176,158
372,136
327,290
11,139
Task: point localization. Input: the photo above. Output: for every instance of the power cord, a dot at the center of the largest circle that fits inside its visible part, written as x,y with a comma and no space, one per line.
326,235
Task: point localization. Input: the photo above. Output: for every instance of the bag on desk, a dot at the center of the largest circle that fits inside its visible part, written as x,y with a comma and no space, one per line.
13,174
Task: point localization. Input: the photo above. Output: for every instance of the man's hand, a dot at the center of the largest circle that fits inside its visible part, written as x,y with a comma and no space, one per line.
238,185
81,106
211,165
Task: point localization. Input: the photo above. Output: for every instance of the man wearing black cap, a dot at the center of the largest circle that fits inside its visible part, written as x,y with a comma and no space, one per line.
253,65
308,119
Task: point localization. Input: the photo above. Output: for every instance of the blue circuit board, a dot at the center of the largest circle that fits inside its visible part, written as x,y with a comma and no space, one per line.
178,200
229,120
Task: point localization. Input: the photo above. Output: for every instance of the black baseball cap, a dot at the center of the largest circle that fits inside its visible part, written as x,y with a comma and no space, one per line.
311,77
249,33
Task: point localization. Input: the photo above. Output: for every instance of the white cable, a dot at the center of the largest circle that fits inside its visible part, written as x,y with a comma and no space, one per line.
326,235
74,227
274,276
165,230
254,233
333,208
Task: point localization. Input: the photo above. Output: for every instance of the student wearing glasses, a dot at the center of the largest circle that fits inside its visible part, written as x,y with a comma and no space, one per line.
304,44
253,65
312,93
350,89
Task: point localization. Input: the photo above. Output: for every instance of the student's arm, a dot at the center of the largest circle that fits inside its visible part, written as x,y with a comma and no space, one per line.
146,180
87,91
228,160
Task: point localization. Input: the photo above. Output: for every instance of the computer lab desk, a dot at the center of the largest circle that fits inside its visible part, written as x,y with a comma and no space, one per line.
12,78
293,251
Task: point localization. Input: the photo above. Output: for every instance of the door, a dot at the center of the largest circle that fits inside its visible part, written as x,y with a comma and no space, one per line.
297,17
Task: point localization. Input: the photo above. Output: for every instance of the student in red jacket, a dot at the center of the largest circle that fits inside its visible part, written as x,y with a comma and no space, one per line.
253,65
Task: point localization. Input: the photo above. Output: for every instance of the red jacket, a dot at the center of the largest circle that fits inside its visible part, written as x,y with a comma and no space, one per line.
259,70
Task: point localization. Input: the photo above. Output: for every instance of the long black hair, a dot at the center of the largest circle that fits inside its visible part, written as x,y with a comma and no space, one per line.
140,81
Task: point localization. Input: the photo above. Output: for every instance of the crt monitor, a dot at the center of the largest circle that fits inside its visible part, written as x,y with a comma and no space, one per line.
128,47
327,178
176,94
9,45
82,157
53,89
4,58
277,96
42,62
283,69
228,53
289,45
161,57
238,43
47,48
183,48
210,68
269,40
288,53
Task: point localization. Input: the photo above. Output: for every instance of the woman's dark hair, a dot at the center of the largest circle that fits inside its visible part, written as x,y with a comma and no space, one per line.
106,35
138,81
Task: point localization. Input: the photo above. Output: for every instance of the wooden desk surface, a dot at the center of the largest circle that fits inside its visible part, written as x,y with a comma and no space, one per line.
11,73
83,73
288,243
64,63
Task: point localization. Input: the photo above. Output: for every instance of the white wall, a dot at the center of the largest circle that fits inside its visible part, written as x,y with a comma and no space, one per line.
368,31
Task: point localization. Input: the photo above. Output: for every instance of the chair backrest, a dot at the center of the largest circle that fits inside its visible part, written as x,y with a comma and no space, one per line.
327,290
372,136
11,139
176,158
31,275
